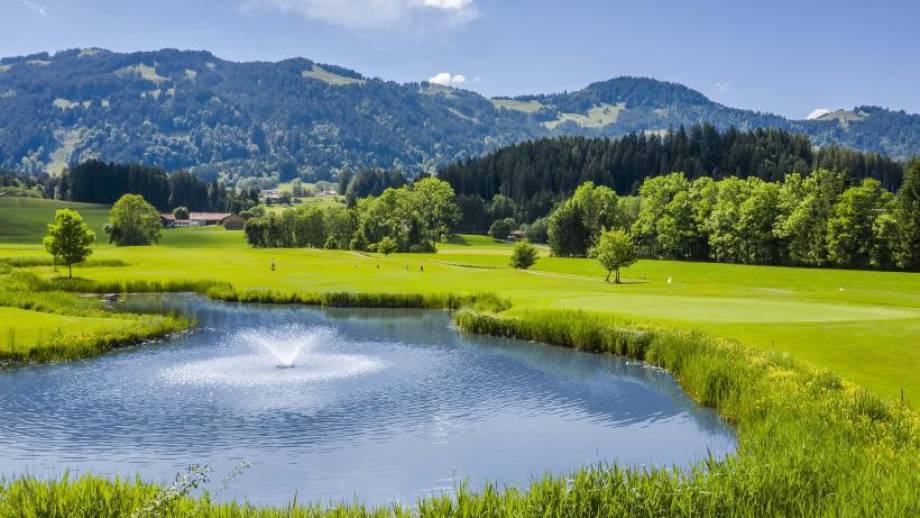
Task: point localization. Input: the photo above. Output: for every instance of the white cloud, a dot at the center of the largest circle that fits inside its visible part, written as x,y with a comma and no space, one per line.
722,86
449,4
421,15
446,79
35,7
817,112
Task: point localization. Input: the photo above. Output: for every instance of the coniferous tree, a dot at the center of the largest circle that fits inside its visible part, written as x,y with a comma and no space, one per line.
908,217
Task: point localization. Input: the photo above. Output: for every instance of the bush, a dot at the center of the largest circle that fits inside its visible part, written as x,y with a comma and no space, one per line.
501,229
523,255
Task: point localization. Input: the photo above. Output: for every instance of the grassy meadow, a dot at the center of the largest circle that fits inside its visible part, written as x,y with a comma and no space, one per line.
864,325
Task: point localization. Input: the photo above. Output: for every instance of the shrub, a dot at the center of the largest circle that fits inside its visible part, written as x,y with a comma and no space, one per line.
523,255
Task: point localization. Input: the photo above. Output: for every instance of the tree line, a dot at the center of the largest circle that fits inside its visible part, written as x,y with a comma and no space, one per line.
533,176
94,181
368,182
411,218
821,219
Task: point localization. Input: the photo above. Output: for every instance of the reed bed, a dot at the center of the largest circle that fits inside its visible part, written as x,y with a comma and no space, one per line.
31,261
479,301
80,285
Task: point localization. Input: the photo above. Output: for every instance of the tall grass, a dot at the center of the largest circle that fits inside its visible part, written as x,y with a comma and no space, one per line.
479,301
80,285
28,261
809,444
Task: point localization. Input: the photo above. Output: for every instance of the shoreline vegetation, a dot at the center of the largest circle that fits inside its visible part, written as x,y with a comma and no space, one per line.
93,330
809,443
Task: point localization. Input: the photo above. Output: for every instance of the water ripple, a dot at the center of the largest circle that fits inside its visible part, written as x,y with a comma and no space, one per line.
380,404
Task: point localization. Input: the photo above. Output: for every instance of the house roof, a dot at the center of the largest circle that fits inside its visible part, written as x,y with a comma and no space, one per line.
199,216
209,215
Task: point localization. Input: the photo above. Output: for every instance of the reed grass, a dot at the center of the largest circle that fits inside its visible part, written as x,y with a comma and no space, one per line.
31,261
479,301
81,285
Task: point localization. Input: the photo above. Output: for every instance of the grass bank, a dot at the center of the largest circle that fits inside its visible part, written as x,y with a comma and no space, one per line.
42,324
810,444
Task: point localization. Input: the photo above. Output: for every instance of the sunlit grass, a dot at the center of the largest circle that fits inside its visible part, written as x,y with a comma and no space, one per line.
863,324
810,441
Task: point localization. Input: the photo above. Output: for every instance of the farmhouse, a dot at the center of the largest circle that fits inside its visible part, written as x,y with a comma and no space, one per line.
204,219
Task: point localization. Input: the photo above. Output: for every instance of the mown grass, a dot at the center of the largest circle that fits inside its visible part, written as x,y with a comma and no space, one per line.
810,444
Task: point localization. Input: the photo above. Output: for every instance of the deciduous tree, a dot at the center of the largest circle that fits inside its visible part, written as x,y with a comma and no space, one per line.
133,221
615,250
68,239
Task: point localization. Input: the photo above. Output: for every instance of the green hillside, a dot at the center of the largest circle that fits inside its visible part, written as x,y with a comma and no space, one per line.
193,110
24,220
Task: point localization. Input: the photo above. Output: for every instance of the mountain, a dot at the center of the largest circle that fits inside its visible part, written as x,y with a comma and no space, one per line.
192,110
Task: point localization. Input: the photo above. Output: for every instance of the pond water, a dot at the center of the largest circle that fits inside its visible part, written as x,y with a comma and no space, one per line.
335,404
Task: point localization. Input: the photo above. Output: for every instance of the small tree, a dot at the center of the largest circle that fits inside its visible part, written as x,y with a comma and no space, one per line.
68,239
181,213
523,255
615,249
386,246
133,221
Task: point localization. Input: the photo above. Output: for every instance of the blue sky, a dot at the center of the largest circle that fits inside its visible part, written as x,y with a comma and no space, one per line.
787,57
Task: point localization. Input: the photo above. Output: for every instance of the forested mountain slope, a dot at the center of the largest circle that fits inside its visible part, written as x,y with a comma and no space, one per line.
192,110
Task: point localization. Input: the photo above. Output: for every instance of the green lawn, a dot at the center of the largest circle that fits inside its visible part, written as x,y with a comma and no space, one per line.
863,325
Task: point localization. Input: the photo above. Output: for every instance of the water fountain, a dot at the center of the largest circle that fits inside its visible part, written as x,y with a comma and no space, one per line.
274,356
287,344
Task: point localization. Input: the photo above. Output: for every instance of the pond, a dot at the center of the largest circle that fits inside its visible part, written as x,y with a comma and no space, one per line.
338,404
